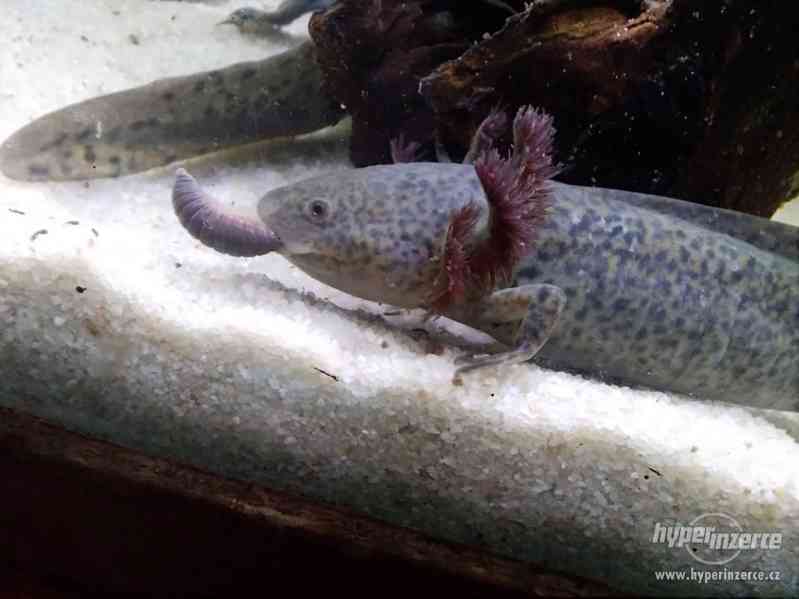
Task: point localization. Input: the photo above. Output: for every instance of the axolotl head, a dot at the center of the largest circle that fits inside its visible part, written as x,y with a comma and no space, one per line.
412,234
378,233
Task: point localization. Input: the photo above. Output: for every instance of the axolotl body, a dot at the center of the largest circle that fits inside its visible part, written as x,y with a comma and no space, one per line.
635,289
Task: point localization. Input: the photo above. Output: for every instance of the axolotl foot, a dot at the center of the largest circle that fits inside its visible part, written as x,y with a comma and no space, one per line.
525,315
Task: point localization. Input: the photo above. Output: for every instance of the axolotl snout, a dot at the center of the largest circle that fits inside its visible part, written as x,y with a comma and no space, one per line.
636,289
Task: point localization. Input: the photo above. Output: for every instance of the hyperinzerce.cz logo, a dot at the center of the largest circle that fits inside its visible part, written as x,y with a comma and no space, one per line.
715,539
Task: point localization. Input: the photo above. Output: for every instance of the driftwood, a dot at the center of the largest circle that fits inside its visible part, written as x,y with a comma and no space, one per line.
93,518
688,98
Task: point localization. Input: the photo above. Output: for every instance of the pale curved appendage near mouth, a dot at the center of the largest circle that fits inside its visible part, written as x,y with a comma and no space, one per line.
209,222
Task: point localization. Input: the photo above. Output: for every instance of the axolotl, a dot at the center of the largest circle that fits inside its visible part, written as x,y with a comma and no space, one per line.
634,289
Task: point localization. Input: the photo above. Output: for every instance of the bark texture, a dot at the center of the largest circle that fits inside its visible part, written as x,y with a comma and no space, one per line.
688,98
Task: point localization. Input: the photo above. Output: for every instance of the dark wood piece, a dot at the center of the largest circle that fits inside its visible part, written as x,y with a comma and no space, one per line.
87,516
688,98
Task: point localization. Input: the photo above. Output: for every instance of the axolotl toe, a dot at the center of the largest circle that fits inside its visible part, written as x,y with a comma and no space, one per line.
640,290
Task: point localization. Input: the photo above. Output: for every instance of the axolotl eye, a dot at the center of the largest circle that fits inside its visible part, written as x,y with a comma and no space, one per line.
317,211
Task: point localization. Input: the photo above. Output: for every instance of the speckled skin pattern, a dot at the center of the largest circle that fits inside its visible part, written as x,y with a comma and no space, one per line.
661,302
371,231
652,299
172,119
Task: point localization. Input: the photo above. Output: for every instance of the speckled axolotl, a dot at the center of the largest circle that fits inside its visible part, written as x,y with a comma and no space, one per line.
172,119
641,290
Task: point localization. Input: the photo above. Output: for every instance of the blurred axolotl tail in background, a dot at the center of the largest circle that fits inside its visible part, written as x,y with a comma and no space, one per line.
639,290
182,117
172,119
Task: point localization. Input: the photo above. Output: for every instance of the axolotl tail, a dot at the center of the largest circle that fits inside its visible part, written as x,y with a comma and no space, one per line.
172,119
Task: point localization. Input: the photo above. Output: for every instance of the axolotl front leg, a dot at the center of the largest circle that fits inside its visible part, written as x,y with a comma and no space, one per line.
442,237
521,317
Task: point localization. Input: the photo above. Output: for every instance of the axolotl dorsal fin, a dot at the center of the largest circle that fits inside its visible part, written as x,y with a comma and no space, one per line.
768,235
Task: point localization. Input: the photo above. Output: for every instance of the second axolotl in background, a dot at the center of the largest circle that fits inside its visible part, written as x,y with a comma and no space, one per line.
635,289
